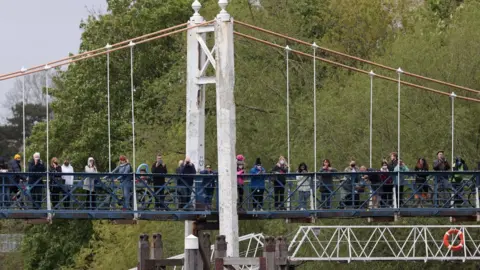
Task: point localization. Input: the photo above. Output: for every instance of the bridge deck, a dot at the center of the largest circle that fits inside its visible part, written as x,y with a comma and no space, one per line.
247,215
193,197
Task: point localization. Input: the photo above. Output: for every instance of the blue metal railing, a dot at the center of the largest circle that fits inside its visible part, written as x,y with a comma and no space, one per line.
309,194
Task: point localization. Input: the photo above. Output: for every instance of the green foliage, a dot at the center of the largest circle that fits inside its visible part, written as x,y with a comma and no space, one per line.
54,246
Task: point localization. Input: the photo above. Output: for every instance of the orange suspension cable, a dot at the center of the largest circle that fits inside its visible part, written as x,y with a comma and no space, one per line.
357,58
353,68
97,52
40,67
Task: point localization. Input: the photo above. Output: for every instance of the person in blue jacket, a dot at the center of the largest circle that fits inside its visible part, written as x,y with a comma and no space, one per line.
126,180
257,185
208,186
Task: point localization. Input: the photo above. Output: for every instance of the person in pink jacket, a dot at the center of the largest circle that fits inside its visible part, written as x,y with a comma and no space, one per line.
240,180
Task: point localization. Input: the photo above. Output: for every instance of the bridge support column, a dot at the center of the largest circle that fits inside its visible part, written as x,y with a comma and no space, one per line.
195,131
226,129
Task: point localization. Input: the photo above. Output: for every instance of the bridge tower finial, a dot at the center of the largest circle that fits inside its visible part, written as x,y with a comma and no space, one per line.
223,15
196,18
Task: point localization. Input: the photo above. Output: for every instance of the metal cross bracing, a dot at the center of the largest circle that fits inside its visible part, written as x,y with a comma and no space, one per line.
385,243
268,196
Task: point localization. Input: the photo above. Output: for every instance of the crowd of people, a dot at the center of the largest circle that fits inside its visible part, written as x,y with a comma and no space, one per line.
381,182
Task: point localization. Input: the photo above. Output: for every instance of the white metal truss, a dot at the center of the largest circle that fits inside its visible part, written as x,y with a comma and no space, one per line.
251,245
383,243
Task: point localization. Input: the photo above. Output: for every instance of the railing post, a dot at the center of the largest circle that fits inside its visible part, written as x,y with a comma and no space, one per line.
313,191
191,253
269,252
220,247
281,252
289,194
205,251
143,251
220,251
477,200
156,249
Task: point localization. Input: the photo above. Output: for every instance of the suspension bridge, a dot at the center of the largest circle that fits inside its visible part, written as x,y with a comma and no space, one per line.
44,196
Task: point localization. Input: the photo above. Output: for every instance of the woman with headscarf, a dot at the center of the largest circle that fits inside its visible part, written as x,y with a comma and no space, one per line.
89,183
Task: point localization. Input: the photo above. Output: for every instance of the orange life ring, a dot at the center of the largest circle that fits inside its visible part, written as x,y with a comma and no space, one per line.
454,232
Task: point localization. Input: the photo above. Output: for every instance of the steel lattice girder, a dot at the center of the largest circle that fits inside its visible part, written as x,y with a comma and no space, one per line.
383,243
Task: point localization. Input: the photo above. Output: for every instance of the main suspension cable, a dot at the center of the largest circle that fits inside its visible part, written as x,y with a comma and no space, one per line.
357,58
354,68
101,51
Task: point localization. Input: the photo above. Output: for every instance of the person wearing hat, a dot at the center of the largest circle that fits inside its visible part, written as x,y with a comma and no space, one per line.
257,185
126,180
208,186
441,165
15,166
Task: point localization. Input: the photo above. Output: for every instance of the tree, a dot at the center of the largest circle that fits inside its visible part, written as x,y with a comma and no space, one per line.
11,132
53,246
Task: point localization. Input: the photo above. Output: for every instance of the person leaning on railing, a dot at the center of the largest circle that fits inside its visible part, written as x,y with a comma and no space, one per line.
68,168
375,186
56,183
159,167
185,185
326,184
443,185
400,181
350,187
14,166
208,186
303,185
257,185
387,190
4,185
36,166
89,183
126,180
459,166
421,185
240,180
279,182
